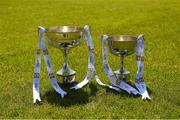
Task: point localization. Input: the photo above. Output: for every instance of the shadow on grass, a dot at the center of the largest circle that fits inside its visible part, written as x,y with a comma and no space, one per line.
81,96
74,97
149,91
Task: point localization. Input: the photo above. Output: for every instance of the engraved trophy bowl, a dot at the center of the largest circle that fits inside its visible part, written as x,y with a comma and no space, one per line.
64,38
122,45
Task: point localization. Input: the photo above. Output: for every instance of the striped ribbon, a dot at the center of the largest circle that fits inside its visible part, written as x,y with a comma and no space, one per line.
36,80
140,83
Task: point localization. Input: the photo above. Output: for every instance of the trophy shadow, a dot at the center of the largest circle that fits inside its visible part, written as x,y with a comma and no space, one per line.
73,97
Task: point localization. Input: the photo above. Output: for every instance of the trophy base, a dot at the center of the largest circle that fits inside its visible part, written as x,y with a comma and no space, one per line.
123,76
67,80
66,77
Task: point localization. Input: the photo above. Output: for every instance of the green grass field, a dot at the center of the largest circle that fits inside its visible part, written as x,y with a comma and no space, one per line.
159,20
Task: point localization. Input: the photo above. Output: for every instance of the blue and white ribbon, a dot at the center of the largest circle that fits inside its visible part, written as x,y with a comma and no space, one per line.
140,83
42,46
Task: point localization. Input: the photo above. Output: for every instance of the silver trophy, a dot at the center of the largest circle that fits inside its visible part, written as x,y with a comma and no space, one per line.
122,46
65,38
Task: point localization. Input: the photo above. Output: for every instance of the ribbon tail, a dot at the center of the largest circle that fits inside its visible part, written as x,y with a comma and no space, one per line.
36,94
57,88
123,85
81,84
88,77
141,86
106,85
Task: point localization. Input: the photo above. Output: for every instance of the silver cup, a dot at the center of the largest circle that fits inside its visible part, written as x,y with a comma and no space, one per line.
64,38
122,45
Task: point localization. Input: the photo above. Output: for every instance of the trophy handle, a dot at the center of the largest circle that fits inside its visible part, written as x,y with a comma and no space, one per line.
36,94
106,66
140,83
91,69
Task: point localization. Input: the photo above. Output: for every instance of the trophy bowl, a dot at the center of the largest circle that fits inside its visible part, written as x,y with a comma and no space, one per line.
64,38
122,45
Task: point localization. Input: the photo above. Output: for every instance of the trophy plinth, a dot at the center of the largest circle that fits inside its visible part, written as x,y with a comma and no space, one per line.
64,38
122,46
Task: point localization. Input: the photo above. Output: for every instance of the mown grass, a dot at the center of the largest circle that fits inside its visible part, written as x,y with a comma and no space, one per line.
159,20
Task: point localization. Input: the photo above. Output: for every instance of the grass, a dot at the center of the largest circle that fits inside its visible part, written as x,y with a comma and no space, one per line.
159,20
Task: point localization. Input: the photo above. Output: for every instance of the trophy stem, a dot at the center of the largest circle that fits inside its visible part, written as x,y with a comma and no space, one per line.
121,64
65,57
66,70
67,74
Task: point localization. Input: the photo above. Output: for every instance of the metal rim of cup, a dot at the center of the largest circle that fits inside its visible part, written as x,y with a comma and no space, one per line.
121,38
64,29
